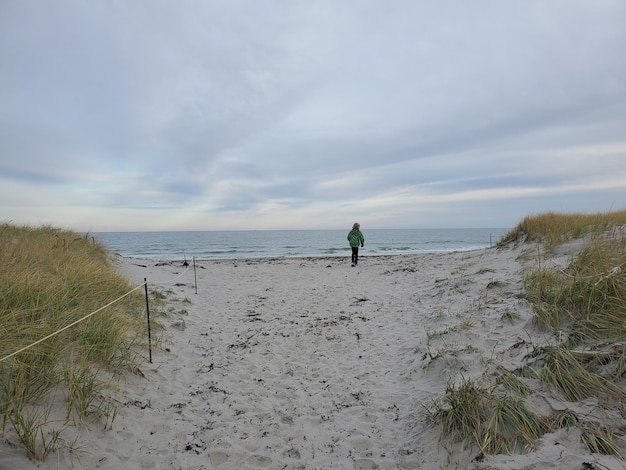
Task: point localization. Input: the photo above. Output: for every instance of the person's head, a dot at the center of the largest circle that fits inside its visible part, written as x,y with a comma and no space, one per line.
356,226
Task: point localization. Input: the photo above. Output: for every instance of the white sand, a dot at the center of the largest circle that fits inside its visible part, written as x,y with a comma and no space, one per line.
312,364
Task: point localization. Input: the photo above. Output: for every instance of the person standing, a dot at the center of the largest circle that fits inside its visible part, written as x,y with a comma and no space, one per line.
356,239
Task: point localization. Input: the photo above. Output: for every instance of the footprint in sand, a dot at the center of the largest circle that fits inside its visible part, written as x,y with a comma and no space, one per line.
260,461
286,420
292,453
361,444
218,458
365,464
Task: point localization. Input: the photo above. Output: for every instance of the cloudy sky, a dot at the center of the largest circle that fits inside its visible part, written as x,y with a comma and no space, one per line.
209,115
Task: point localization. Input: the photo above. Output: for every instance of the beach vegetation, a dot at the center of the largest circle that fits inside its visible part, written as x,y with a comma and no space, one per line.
36,432
583,308
512,382
569,372
159,294
553,228
587,300
562,419
68,322
465,325
493,420
601,440
511,316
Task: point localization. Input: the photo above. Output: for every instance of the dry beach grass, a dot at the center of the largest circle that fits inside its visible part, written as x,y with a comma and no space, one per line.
506,358
50,278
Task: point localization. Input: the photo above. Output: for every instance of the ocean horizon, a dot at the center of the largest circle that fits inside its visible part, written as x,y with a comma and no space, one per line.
239,244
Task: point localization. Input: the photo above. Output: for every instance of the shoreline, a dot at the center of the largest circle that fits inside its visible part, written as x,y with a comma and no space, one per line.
313,256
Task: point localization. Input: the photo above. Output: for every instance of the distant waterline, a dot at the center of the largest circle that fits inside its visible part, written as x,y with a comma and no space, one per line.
292,243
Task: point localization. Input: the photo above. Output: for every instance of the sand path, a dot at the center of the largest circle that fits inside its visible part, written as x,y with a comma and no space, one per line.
305,363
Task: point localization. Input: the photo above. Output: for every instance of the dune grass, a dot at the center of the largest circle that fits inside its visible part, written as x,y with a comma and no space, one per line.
572,375
494,420
584,307
553,228
49,279
588,298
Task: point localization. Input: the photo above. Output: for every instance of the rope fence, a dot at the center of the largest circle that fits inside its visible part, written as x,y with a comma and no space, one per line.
601,276
171,281
144,284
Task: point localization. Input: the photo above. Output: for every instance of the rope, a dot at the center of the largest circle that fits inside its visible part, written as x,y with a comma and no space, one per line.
170,281
71,324
89,315
613,272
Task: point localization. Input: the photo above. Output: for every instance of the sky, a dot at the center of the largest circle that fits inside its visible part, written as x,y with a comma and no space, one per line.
140,115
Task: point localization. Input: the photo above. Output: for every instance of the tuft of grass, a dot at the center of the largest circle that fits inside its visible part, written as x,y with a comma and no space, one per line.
562,419
84,393
512,382
510,316
600,440
35,431
49,279
495,422
566,372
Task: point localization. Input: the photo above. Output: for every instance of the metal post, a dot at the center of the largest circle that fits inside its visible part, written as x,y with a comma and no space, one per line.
145,284
194,274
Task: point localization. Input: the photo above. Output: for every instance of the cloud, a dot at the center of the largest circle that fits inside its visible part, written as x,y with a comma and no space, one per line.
260,114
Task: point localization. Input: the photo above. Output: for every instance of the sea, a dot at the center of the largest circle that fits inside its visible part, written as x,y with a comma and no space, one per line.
204,245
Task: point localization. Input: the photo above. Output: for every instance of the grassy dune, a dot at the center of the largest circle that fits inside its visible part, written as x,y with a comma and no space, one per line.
49,279
584,308
554,228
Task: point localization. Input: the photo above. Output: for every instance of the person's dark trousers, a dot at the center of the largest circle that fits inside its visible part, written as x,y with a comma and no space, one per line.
355,254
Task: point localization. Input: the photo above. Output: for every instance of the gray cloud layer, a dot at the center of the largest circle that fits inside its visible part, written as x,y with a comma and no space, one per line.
242,114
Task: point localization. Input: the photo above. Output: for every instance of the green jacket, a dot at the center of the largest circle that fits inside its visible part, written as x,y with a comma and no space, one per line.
355,237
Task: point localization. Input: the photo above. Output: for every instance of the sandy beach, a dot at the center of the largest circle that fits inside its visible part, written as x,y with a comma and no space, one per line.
308,363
